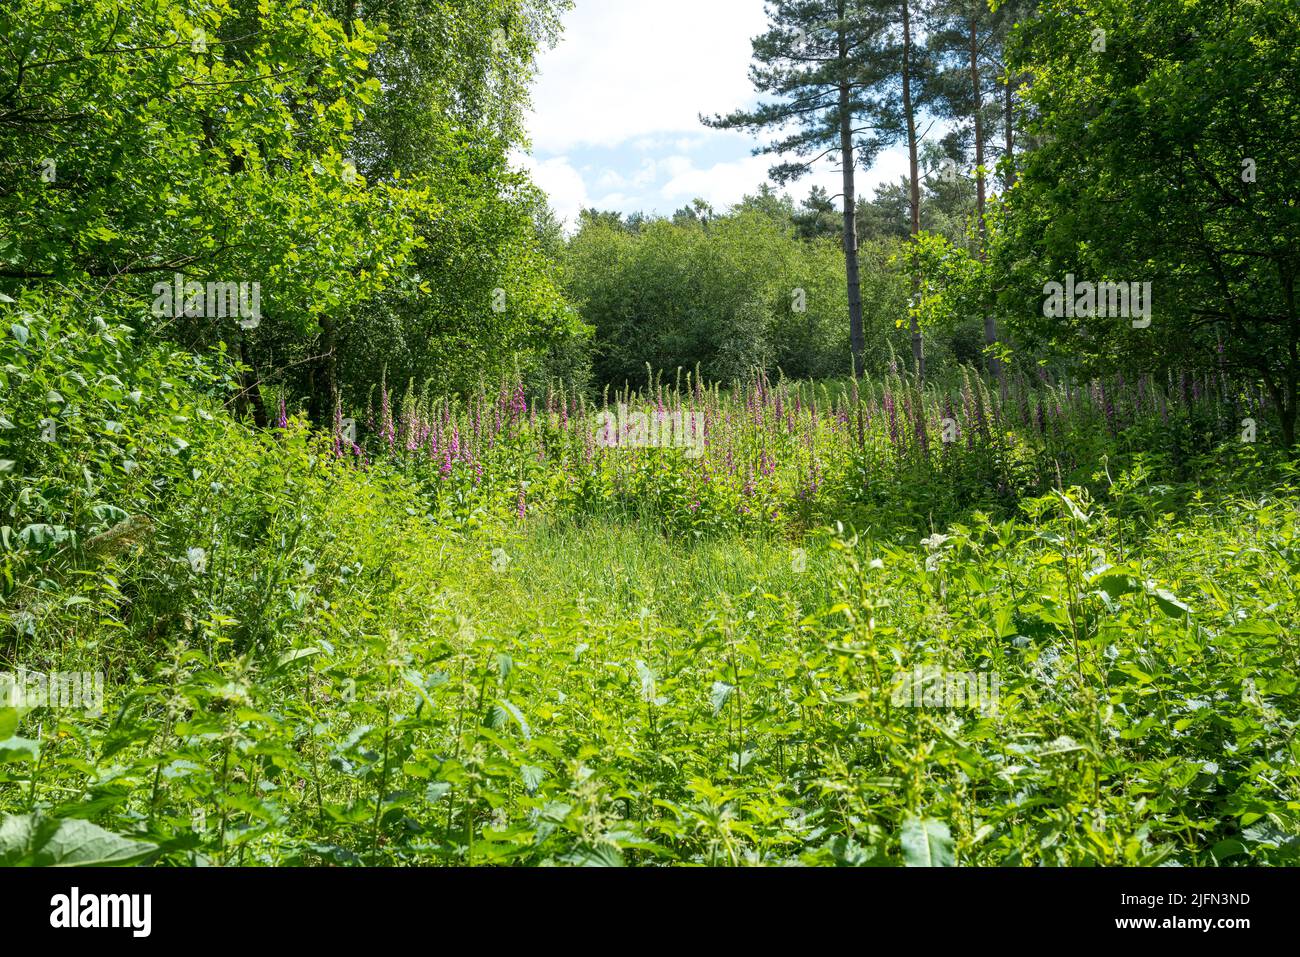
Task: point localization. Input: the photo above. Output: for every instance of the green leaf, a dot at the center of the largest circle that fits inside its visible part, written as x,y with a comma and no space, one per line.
603,856
517,715
32,840
927,843
1228,848
532,777
1080,516
1169,603
1115,582
18,749
289,657
436,791
719,695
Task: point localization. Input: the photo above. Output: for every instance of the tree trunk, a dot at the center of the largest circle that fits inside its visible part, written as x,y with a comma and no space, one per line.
1008,122
1291,378
918,351
990,322
250,392
324,392
857,338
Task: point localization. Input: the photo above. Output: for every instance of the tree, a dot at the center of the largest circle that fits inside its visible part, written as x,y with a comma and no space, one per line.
142,139
817,216
453,81
810,60
897,60
962,33
1166,154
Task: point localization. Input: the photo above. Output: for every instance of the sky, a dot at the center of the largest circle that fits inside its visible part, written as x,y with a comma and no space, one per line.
615,118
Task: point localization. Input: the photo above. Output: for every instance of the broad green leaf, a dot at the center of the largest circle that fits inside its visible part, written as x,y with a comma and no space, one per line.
532,777
32,840
18,749
927,843
719,694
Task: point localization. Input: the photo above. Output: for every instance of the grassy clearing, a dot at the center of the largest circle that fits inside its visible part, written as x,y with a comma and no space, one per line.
536,655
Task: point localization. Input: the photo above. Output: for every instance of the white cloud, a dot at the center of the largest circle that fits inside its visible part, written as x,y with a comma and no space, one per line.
721,184
726,183
617,103
627,68
560,181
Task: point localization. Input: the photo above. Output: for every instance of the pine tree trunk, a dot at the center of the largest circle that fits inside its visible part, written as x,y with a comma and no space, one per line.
918,351
857,338
990,322
1008,123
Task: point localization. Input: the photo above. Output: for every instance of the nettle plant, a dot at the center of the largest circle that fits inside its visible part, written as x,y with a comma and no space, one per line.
480,637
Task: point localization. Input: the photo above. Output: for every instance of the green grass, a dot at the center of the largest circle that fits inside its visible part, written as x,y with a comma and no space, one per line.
349,676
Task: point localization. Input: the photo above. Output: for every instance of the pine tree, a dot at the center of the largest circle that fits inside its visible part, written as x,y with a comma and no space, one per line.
811,60
897,60
964,35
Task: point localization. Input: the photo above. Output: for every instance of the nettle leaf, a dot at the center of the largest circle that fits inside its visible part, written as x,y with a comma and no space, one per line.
1078,514
532,777
33,840
436,791
603,856
1231,847
719,694
927,843
1169,603
739,760
517,715
1256,627
1268,834
37,533
18,749
1115,582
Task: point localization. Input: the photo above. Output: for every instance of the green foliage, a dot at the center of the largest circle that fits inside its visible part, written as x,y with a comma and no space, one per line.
31,840
862,622
141,139
738,294
1165,154
530,658
353,170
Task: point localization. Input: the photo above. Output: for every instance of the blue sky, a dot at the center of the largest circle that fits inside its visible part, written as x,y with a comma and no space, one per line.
615,118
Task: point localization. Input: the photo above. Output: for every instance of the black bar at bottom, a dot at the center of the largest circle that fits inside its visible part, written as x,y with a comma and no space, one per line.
338,907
